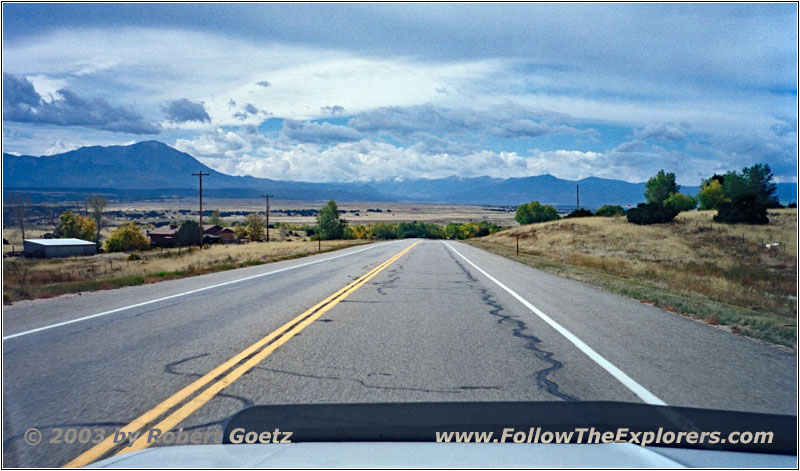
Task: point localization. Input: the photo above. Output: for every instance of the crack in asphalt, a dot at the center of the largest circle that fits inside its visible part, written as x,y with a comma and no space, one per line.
371,386
394,275
533,343
169,368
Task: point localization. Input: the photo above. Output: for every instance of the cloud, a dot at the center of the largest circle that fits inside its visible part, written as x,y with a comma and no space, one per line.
311,132
733,81
528,128
429,144
662,132
632,146
505,121
408,119
335,109
247,110
220,143
21,103
183,110
246,152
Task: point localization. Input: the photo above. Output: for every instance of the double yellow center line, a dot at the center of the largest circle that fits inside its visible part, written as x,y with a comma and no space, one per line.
235,367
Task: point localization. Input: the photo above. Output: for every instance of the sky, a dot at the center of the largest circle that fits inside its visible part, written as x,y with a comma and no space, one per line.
369,92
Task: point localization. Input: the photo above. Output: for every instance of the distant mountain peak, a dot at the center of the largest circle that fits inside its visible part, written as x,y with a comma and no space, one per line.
151,166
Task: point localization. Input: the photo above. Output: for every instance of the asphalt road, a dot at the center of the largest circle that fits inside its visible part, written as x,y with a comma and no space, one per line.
443,322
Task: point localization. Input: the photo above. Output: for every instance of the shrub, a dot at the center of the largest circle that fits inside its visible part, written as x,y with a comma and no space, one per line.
127,237
134,256
681,202
71,225
188,234
792,205
609,210
255,226
651,213
330,225
535,212
745,209
659,187
580,213
711,194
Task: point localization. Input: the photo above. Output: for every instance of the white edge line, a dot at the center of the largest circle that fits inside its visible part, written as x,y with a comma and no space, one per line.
105,313
623,378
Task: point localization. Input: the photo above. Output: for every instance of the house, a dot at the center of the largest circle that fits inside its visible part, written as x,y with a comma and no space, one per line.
51,248
212,233
227,235
163,236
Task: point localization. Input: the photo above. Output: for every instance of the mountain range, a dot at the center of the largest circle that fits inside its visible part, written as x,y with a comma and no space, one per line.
152,170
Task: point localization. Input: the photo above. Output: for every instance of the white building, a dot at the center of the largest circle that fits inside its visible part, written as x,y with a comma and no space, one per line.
50,248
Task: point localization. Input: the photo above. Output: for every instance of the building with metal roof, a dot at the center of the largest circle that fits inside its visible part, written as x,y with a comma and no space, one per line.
51,248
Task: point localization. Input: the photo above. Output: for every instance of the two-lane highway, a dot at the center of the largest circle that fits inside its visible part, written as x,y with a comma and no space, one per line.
389,322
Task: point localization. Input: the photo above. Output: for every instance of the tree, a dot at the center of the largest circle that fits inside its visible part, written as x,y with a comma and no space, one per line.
609,210
255,226
681,202
331,226
19,208
241,231
126,238
360,232
524,214
659,187
97,204
759,183
580,213
535,212
215,218
71,225
382,230
188,234
651,213
747,196
711,195
744,209
454,231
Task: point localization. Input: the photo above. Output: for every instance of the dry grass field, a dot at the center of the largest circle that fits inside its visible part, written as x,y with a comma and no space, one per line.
41,278
355,212
722,274
30,278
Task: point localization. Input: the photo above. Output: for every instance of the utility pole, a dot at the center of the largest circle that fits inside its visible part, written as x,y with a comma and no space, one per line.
201,175
267,214
578,195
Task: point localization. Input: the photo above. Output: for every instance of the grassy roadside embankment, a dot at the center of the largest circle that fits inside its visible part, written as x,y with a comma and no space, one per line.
718,273
44,278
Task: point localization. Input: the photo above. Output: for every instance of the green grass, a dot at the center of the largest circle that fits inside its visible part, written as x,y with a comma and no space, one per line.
57,289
